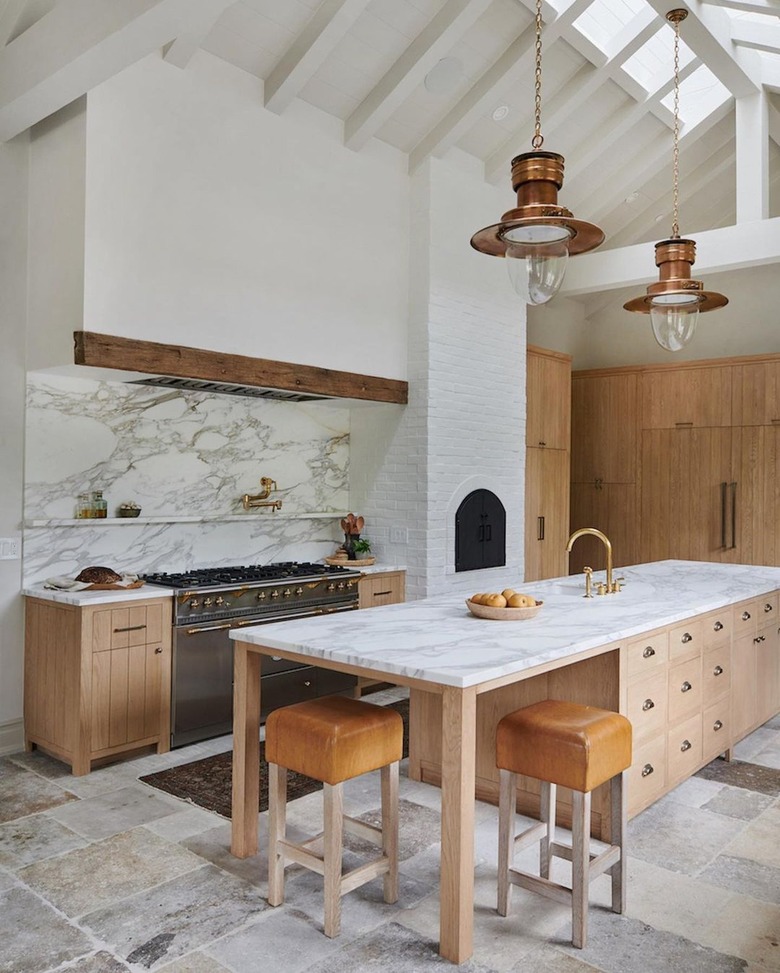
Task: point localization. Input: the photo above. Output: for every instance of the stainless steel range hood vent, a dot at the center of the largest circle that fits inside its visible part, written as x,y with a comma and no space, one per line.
226,388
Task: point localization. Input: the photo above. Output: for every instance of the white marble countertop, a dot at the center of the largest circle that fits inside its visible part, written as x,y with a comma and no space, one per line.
84,598
379,568
437,640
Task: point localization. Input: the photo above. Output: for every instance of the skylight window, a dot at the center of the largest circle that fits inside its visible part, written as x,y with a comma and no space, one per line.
700,94
604,19
653,64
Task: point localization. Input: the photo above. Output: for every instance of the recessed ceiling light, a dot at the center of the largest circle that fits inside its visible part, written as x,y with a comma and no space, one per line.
632,198
660,217
444,76
500,113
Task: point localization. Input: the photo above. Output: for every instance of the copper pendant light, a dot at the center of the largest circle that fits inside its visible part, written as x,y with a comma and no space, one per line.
538,235
675,301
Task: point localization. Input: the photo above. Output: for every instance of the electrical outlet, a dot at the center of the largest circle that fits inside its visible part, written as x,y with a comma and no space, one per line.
10,548
399,535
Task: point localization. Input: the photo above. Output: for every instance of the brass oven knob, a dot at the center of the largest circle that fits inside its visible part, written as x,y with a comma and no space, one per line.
207,602
350,584
340,585
286,593
194,603
299,591
261,596
331,587
219,600
274,593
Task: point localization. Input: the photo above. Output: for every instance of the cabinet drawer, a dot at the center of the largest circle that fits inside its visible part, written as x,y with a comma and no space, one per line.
646,705
381,589
716,673
119,628
286,688
717,626
685,689
644,655
746,617
684,748
716,729
686,639
768,610
647,778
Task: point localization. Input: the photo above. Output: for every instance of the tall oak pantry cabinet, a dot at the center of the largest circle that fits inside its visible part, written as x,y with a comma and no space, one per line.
679,461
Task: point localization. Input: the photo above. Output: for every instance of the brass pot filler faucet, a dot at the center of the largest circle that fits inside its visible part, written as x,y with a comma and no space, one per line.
611,587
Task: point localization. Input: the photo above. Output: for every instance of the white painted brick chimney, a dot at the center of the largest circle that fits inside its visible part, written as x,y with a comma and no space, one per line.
464,426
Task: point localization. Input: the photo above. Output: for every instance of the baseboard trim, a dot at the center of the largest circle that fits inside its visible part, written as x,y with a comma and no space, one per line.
11,737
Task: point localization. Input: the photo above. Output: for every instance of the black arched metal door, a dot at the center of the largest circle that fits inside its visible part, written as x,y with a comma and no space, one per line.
480,532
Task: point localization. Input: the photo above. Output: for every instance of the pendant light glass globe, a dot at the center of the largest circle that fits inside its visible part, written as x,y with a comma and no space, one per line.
537,271
674,318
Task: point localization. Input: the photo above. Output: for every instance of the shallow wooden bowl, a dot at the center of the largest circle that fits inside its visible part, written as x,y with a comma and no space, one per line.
503,614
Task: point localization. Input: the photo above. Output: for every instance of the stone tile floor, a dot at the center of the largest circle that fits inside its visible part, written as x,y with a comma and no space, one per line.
103,874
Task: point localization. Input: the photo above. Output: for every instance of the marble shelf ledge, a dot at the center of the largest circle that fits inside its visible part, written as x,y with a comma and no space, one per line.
228,518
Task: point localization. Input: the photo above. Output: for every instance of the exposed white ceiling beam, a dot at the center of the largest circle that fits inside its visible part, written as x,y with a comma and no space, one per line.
759,37
771,7
308,52
181,51
695,181
707,31
79,44
752,129
9,17
633,173
729,248
513,65
436,40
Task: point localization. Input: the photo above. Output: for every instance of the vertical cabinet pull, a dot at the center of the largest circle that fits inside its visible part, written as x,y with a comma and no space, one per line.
733,515
540,528
723,491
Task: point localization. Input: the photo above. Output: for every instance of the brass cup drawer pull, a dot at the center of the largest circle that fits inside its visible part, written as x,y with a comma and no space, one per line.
745,616
717,725
648,705
768,607
718,626
131,628
647,770
687,637
685,745
686,687
648,653
717,671
158,651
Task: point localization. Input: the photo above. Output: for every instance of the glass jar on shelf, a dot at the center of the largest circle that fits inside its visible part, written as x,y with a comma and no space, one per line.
99,505
83,507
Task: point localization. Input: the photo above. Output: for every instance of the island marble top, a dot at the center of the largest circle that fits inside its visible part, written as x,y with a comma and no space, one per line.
438,640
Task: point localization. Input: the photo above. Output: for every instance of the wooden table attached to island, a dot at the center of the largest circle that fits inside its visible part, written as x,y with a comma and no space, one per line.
689,651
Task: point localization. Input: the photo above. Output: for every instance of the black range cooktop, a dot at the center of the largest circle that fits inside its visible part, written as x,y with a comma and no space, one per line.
242,574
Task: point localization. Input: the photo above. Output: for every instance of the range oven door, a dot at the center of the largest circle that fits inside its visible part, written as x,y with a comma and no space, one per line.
202,679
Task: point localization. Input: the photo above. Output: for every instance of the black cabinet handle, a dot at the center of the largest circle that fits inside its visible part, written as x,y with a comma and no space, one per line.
131,628
733,515
723,491
540,528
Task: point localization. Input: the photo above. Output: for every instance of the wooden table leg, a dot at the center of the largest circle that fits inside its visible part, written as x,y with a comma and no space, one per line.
458,768
246,750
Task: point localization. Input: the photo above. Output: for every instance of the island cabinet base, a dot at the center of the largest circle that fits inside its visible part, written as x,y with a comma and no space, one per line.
97,682
593,682
691,691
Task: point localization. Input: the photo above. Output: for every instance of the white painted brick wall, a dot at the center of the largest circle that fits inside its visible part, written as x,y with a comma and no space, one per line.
464,427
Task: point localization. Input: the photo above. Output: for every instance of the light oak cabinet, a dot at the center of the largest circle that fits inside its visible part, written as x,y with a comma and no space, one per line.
547,459
604,491
97,679
387,588
708,463
756,658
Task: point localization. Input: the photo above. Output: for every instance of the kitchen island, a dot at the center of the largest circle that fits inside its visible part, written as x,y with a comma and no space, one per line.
661,651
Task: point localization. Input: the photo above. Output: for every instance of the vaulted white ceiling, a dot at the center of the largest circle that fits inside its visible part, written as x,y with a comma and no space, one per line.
429,75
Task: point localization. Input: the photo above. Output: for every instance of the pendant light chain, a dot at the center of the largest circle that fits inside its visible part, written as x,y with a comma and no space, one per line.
676,156
538,140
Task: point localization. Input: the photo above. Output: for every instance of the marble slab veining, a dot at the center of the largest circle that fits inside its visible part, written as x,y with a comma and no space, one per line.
83,599
438,640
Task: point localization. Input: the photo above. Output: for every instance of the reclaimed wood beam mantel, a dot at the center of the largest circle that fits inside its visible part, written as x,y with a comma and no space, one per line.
179,361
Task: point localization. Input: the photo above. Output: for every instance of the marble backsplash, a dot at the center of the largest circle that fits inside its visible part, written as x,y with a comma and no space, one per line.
177,454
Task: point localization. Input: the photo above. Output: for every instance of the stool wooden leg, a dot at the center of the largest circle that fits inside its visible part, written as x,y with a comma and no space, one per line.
618,825
389,776
277,830
333,799
507,802
580,867
547,815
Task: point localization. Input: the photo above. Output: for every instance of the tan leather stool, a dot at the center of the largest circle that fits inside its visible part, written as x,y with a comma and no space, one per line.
579,747
332,740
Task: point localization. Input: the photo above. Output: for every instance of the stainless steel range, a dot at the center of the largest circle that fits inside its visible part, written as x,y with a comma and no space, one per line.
211,601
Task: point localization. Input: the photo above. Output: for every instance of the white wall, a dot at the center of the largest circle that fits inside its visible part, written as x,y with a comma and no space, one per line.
13,311
599,333
214,223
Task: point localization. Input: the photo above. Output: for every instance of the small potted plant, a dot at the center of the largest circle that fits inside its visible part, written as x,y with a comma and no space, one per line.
362,548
